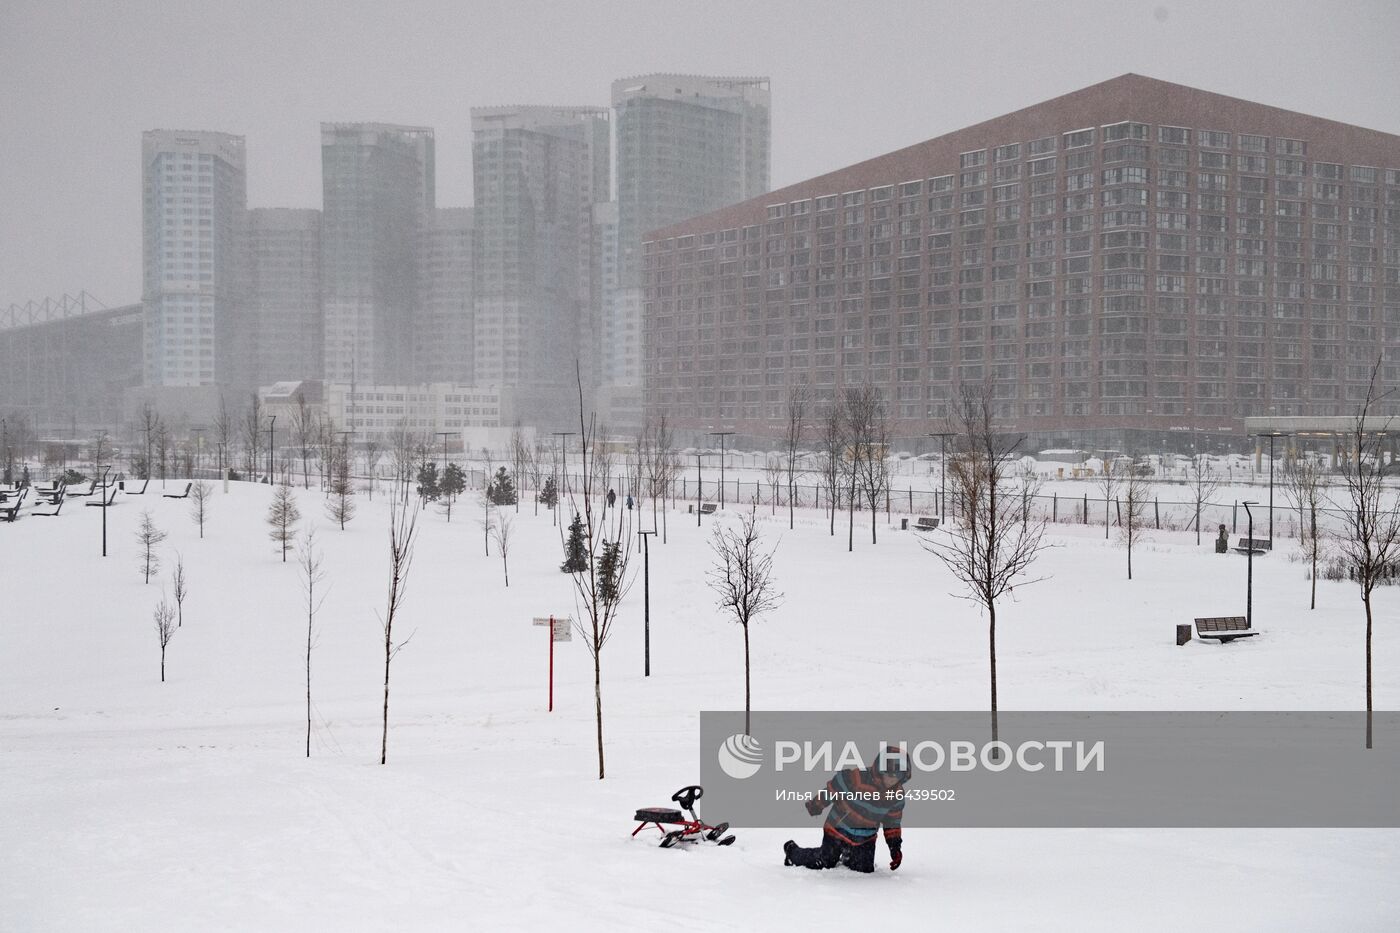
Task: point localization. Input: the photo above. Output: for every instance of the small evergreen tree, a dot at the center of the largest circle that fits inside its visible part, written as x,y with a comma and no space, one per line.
608,564
502,488
428,488
340,507
575,554
454,481
549,495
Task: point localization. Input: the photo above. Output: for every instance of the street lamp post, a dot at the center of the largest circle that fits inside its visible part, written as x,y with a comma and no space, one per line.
646,604
1271,435
721,435
445,435
1249,573
271,427
942,473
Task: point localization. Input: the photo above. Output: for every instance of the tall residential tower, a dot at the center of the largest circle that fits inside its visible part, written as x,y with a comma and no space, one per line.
686,145
378,197
194,193
537,174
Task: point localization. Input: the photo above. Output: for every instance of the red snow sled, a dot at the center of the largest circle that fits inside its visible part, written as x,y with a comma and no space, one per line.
690,830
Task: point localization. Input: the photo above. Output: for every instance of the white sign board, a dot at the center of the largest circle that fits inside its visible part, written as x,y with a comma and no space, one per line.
562,631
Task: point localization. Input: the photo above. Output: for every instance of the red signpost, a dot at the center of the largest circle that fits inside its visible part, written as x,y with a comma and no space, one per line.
559,630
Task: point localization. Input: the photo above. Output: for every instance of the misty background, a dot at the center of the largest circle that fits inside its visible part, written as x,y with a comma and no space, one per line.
79,81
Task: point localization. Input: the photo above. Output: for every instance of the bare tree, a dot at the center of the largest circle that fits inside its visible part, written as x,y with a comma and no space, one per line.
502,531
403,529
200,495
773,473
742,575
661,468
149,422
373,451
403,449
1031,484
223,434
603,530
1136,493
868,426
991,549
252,437
519,461
798,399
1303,485
304,431
1371,546
148,535
340,506
163,449
311,575
164,617
1203,483
282,516
535,468
831,457
181,589
1108,484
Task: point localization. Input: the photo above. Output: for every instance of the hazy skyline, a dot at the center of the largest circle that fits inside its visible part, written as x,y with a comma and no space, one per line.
79,82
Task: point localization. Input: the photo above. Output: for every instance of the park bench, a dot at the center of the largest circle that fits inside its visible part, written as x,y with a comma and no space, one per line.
104,498
1224,628
131,490
179,495
1257,545
9,510
707,508
54,508
926,523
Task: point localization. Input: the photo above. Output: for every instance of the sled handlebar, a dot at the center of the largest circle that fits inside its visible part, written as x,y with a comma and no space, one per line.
687,796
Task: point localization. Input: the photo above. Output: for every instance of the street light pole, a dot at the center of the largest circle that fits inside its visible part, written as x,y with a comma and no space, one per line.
1249,574
942,473
646,604
721,435
272,426
445,435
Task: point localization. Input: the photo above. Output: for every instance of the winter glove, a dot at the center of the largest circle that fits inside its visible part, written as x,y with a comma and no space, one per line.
896,854
815,806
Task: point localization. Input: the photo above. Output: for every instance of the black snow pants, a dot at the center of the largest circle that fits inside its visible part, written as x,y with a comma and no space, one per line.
833,852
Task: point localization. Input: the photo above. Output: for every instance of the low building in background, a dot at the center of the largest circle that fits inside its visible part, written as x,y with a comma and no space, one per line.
472,416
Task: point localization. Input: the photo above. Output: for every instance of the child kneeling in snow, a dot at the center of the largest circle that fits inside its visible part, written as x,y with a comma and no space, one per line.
862,801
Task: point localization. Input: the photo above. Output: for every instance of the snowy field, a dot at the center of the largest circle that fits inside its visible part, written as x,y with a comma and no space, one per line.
129,804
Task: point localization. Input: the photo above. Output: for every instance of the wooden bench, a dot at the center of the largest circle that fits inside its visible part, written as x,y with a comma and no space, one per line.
9,511
54,508
707,508
926,523
178,495
1256,545
1224,628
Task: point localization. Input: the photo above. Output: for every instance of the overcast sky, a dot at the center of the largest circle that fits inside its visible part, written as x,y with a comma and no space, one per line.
79,81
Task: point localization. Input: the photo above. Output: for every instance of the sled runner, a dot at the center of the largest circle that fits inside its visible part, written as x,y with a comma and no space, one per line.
689,830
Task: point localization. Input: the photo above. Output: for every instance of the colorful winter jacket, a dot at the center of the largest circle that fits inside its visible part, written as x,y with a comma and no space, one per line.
861,804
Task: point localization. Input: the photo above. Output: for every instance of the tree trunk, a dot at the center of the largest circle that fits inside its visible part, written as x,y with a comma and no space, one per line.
598,706
873,509
992,653
851,511
1368,674
747,694
1313,543
388,655
1367,599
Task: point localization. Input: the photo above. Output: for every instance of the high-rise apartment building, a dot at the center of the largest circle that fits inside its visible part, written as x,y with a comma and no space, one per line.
278,336
537,173
194,193
686,145
1125,263
378,197
443,334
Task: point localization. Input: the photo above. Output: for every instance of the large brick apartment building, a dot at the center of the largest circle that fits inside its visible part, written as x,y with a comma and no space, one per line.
1136,264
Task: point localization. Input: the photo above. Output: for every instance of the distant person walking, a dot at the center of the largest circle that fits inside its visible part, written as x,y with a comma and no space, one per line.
612,498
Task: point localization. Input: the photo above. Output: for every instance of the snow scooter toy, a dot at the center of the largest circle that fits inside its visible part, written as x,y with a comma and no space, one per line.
691,830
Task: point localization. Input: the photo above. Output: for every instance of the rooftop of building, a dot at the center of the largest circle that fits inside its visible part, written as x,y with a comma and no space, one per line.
1124,98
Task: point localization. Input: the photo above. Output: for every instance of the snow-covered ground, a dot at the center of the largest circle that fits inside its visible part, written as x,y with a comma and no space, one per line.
128,804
